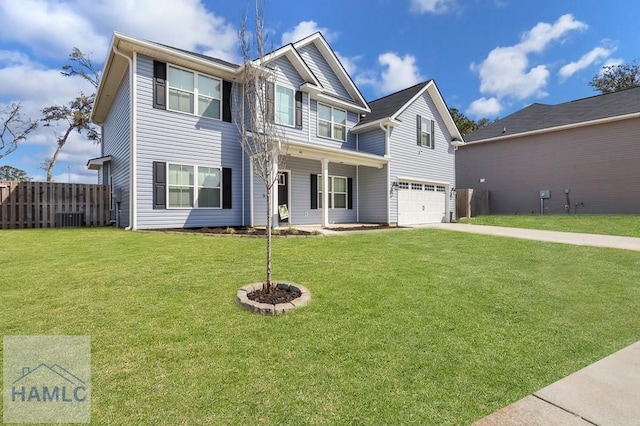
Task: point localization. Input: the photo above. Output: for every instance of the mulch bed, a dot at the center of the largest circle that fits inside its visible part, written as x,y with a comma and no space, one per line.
233,230
277,295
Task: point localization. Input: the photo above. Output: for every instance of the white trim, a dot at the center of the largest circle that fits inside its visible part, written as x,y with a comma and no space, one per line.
559,128
335,155
327,99
251,201
375,124
422,180
97,163
336,66
325,193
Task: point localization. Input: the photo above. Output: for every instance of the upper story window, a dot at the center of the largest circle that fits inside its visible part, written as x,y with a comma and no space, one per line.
187,86
332,122
285,106
426,132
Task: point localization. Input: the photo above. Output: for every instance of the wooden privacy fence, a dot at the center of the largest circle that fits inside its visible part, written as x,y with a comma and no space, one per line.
472,202
50,205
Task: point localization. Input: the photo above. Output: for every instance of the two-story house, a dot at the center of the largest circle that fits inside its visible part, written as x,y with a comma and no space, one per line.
171,148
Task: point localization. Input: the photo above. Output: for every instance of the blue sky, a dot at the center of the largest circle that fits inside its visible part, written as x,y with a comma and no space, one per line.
489,58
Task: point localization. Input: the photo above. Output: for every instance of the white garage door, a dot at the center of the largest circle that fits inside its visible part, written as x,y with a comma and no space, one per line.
421,203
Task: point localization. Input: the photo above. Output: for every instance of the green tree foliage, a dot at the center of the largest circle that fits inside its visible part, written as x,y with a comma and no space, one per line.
15,128
616,77
465,125
75,115
12,174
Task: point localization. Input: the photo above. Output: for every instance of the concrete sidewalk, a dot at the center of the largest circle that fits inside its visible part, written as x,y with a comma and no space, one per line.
595,240
605,393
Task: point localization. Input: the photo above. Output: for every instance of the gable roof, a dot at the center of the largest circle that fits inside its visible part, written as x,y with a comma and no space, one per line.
387,109
542,118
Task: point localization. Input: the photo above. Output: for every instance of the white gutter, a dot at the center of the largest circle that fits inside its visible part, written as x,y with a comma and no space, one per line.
133,221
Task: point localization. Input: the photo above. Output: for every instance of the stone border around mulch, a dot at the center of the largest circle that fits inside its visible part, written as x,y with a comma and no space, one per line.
272,309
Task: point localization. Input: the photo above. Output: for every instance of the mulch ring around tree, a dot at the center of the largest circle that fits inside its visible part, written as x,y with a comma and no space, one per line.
282,298
241,230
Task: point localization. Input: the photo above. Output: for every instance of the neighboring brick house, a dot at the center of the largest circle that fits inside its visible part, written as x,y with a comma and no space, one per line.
171,150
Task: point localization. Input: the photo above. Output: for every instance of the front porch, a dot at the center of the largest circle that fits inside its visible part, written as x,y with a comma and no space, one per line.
356,182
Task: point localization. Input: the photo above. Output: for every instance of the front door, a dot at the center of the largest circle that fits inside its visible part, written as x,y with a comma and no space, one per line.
283,197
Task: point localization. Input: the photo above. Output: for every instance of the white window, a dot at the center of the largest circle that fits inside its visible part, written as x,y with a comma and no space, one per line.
332,122
285,106
209,191
440,188
337,192
186,86
403,185
186,192
425,132
416,186
180,185
429,188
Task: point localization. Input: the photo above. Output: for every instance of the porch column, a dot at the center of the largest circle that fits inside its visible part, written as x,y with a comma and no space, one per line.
325,193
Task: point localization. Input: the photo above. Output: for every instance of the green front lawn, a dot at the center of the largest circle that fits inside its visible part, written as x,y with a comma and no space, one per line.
404,327
623,225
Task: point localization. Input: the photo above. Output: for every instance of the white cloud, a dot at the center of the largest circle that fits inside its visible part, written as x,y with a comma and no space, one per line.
594,56
401,72
484,107
304,29
435,7
506,72
49,29
349,63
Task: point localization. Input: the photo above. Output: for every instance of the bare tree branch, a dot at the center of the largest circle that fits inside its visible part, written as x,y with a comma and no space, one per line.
76,115
15,128
261,138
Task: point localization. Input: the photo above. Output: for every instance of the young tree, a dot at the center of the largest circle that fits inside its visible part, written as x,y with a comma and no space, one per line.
13,174
261,138
15,128
76,115
617,77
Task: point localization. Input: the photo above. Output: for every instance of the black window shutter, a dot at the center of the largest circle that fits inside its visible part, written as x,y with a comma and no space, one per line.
271,103
314,192
298,109
226,101
226,188
350,193
159,85
159,185
433,134
419,120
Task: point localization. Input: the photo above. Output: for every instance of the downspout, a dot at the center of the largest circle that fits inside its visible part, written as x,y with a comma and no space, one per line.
132,138
387,138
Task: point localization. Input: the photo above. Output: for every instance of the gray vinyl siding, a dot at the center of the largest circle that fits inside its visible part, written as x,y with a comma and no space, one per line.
286,75
372,195
323,72
181,138
416,162
115,142
372,142
599,165
300,194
